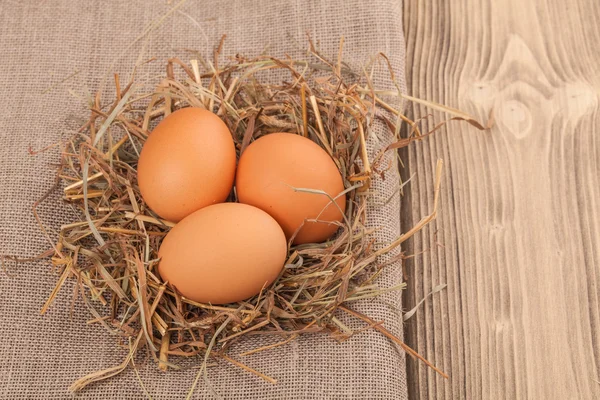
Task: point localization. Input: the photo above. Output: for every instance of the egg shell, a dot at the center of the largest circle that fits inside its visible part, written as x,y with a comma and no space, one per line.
223,253
269,170
188,162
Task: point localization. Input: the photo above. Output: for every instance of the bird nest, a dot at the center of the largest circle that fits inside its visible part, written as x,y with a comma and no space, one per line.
111,250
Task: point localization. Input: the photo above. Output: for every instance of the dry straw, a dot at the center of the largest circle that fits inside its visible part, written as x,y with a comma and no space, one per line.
111,252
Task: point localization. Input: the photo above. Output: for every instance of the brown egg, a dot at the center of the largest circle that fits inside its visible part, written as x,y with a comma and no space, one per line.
275,164
188,162
223,253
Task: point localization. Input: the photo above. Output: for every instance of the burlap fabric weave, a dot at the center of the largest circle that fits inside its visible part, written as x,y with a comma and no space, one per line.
44,42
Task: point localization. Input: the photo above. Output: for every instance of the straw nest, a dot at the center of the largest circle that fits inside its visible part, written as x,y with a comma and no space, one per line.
111,251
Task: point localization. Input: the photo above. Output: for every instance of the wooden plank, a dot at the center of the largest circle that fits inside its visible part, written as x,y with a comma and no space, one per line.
518,235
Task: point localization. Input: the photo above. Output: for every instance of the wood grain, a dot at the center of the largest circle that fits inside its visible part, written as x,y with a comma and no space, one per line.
517,239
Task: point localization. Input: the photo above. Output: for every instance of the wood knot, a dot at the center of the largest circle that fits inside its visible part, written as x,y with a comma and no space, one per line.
515,117
576,100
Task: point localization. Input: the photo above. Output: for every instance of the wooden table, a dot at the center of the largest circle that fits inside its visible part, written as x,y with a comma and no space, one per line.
517,239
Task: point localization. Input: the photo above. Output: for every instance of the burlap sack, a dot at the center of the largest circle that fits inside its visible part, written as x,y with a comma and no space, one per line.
41,44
